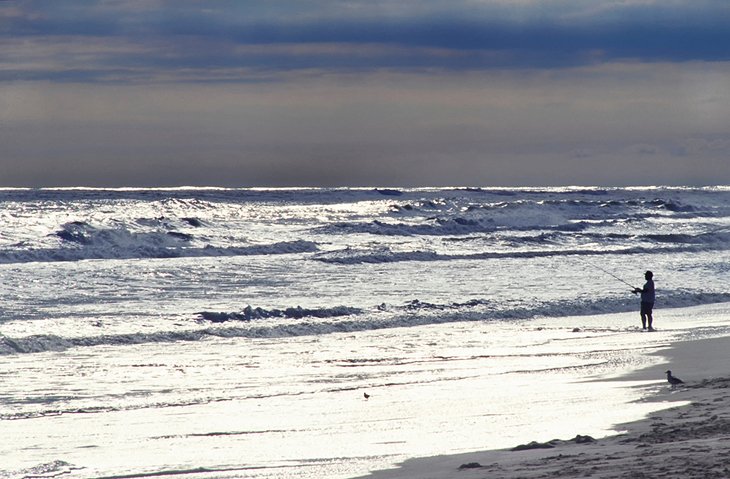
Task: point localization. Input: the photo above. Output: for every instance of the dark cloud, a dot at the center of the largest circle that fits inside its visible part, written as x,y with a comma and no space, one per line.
216,36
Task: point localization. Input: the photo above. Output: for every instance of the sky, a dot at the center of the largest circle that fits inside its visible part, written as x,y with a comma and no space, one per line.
324,93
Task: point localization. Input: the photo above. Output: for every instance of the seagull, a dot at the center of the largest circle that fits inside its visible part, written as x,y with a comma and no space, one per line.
673,380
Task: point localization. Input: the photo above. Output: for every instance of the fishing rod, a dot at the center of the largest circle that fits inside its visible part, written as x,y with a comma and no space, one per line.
608,273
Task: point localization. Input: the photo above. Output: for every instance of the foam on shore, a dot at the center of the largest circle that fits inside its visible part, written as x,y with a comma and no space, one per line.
687,441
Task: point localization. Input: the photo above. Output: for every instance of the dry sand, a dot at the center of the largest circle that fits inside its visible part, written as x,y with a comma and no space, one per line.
689,441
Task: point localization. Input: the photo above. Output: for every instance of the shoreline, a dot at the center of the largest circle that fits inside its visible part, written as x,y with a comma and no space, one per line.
688,440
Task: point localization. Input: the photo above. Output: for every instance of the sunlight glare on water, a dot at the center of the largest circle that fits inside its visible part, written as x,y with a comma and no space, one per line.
299,402
144,331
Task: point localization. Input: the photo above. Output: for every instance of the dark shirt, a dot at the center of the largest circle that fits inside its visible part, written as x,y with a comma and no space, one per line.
647,293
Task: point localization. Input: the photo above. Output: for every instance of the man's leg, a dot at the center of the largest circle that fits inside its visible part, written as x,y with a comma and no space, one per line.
650,315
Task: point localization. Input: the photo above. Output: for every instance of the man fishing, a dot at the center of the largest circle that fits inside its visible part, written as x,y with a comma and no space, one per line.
647,300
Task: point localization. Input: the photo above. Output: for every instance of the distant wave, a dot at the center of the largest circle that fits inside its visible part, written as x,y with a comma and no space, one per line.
81,241
412,313
378,227
460,216
79,233
443,224
386,255
389,192
450,226
713,238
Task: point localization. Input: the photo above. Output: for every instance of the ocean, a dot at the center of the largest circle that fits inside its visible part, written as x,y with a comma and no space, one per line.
325,333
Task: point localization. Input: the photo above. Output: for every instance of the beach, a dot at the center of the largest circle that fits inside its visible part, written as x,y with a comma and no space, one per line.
328,333
691,440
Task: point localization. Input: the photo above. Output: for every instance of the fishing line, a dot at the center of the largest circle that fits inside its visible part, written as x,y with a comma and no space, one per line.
607,272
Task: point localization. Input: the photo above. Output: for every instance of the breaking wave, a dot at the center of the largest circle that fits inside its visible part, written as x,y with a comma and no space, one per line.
46,470
276,324
298,312
80,241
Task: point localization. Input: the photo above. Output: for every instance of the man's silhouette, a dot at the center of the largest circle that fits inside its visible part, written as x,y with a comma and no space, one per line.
647,301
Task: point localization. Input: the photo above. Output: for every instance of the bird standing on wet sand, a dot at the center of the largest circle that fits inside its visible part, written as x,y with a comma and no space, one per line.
673,380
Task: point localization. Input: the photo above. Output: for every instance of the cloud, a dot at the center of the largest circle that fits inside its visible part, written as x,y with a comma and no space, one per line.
220,39
333,93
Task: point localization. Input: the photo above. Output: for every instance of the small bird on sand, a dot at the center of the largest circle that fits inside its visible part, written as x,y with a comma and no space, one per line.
673,380
366,395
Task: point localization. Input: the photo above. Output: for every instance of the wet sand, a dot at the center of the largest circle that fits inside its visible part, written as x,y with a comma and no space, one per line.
688,441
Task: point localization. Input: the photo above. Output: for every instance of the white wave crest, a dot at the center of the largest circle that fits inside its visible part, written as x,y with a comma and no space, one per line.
350,319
